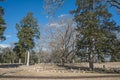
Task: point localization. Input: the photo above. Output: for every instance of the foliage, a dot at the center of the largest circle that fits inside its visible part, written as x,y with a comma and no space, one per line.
20,52
28,31
33,57
93,24
7,56
2,24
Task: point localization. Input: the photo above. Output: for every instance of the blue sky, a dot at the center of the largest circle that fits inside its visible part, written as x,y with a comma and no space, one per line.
15,10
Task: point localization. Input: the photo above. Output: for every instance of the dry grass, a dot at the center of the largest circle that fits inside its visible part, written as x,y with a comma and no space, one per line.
52,72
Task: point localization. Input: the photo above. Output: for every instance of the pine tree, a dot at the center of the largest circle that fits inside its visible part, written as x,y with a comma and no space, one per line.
92,18
20,53
2,24
27,32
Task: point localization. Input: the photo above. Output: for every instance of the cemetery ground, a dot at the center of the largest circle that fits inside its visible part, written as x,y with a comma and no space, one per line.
47,71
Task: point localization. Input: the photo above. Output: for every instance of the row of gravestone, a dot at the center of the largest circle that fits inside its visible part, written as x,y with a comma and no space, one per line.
54,69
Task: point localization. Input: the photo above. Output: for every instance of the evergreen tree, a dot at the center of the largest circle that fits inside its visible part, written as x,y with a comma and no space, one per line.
6,56
116,47
27,33
20,53
92,18
2,24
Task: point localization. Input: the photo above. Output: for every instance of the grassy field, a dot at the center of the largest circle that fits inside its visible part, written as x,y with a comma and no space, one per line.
53,72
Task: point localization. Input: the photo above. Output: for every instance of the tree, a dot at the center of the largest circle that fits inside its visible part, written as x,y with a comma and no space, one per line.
28,31
33,57
92,18
63,40
115,48
7,55
20,53
2,24
51,6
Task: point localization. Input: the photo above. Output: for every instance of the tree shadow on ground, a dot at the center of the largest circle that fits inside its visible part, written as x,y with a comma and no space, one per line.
58,77
86,69
10,65
74,67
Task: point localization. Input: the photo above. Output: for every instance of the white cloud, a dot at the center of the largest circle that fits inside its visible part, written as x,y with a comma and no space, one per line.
66,16
55,24
63,19
62,15
4,45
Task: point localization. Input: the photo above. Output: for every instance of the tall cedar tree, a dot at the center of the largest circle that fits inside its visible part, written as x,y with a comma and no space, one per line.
20,53
2,24
92,17
28,31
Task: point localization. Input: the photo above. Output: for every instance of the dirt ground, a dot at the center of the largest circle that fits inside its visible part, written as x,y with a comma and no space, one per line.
53,72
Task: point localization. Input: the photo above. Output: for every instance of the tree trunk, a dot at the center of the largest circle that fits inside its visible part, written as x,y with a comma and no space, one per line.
62,62
91,66
19,60
28,58
25,62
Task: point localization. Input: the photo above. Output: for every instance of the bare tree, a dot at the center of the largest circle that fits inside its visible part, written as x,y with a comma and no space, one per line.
51,6
63,40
